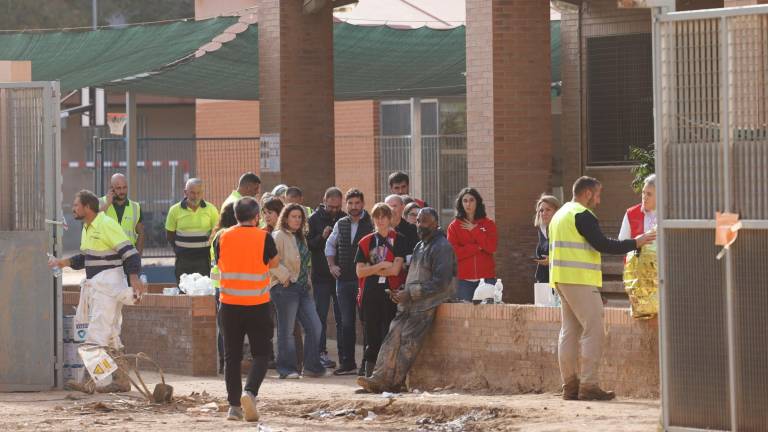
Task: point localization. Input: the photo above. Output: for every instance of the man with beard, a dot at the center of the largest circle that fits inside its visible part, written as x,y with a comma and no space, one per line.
340,250
116,205
188,228
104,251
431,280
321,225
575,245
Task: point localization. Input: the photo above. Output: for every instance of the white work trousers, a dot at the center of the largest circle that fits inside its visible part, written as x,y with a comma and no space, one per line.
106,292
582,330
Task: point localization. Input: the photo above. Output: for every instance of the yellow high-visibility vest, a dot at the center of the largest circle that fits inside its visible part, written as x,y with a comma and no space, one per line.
572,260
130,218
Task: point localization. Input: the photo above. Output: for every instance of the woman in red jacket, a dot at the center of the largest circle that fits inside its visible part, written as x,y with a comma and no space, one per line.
473,236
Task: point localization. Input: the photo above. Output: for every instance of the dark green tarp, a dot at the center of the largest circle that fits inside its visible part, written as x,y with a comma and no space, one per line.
370,62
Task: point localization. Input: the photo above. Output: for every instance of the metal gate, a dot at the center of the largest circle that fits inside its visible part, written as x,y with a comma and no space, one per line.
30,310
711,77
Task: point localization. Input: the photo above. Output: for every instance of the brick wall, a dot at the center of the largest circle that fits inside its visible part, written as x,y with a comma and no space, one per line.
178,332
509,129
357,151
513,349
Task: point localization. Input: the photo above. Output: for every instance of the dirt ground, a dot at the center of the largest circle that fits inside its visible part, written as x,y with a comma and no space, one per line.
322,404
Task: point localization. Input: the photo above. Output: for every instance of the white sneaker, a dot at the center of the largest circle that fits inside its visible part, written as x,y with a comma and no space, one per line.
235,413
248,404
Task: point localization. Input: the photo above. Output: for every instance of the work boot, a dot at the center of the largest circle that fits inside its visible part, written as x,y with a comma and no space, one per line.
571,389
120,383
371,385
86,386
248,404
235,413
594,392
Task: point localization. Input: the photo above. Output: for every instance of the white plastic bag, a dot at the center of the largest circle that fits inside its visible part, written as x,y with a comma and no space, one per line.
499,291
196,284
98,363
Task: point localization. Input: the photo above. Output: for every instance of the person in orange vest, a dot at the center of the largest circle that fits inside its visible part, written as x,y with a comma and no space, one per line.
244,254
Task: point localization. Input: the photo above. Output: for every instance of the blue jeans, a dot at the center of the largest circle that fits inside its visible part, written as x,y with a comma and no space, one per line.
346,292
466,288
294,302
325,292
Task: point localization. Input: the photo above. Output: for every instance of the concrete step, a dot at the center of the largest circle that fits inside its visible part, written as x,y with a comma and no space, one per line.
613,287
613,265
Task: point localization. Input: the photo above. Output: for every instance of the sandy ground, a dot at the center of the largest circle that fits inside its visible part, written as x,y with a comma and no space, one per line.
322,404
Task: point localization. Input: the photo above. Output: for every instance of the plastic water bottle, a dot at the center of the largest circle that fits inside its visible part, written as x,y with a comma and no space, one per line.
55,270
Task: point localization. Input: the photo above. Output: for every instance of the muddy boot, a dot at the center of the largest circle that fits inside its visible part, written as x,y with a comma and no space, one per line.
371,385
594,392
571,389
85,386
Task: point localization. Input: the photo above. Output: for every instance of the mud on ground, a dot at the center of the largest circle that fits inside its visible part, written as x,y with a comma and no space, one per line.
323,404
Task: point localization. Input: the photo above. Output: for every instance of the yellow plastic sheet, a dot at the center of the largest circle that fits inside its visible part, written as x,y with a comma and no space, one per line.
641,282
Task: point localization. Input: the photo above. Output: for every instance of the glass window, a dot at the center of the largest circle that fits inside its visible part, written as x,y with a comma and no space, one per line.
429,118
395,119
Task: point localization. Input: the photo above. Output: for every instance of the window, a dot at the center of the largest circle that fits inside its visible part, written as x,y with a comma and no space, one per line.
620,97
396,118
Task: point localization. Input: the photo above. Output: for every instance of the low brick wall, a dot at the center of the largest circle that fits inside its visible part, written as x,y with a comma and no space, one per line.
178,332
513,349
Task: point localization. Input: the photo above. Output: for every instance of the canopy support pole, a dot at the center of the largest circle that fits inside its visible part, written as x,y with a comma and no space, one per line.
415,186
131,135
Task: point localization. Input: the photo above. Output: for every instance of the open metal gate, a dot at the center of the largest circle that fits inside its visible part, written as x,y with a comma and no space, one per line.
30,309
711,93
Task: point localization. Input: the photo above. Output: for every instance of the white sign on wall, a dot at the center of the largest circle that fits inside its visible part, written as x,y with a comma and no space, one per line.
269,153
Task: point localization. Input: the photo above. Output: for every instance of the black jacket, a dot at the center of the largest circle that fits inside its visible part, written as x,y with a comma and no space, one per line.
542,249
316,242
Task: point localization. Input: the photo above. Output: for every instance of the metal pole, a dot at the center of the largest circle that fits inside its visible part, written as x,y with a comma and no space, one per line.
415,189
725,129
660,208
131,141
94,14
98,165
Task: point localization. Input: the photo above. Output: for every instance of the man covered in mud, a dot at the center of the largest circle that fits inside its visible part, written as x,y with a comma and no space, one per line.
431,280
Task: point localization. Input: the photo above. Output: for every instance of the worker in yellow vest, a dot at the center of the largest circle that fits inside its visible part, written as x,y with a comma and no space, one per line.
575,245
188,228
294,195
107,256
244,254
116,205
248,185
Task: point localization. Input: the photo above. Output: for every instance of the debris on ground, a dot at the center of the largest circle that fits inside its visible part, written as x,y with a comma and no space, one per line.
458,424
195,403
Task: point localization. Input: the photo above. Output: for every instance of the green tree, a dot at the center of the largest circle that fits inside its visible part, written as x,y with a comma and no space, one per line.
646,165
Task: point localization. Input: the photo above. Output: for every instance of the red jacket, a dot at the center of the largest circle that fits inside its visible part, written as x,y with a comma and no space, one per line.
474,249
636,219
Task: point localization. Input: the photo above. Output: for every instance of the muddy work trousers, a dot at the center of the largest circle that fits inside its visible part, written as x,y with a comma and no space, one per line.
401,347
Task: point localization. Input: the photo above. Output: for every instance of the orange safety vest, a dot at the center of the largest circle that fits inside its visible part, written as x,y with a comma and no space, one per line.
244,276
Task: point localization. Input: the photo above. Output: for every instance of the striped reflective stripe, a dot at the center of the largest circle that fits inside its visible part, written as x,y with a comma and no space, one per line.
573,245
191,245
193,233
130,253
245,276
92,263
123,244
244,292
99,253
576,264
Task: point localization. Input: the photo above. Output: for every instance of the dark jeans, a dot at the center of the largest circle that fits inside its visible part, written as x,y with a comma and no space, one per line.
295,303
378,312
236,322
219,334
192,264
346,292
466,288
325,292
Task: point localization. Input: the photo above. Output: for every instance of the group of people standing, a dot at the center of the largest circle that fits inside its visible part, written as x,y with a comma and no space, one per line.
272,257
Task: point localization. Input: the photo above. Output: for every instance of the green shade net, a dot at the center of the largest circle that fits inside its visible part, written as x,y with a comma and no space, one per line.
369,62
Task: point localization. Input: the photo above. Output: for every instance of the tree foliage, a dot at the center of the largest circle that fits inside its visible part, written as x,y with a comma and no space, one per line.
646,165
